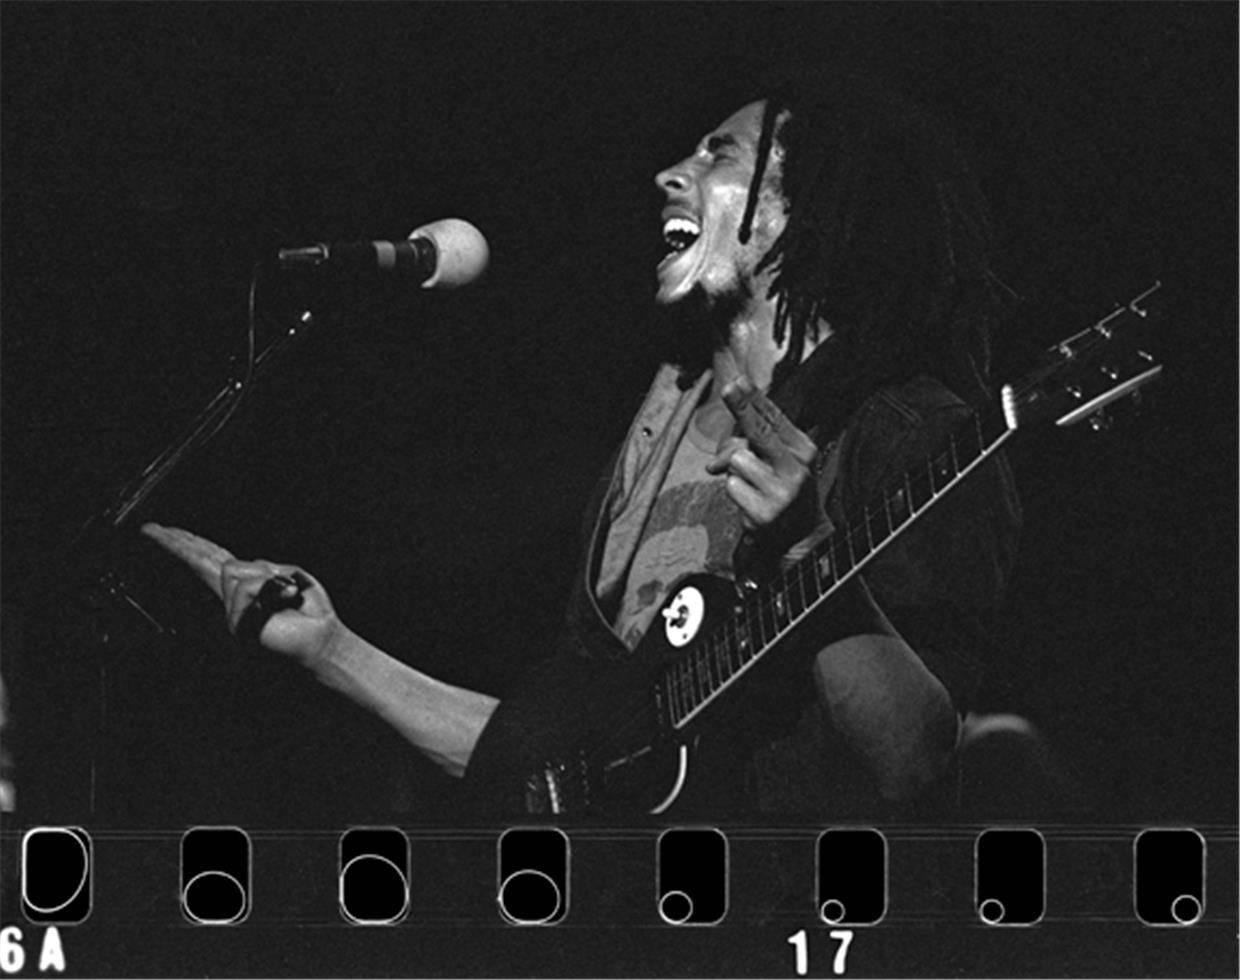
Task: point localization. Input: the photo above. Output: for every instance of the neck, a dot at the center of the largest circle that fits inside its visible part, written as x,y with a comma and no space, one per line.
750,349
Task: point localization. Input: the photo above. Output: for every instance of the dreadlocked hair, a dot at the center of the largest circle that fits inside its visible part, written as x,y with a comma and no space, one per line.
887,241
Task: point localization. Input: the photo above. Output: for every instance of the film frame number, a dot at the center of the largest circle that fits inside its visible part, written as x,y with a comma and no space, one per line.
799,941
13,953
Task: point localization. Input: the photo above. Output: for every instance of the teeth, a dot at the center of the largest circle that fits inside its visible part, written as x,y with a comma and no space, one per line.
680,233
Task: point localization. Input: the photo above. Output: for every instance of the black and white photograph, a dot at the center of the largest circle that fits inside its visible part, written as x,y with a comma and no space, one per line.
618,489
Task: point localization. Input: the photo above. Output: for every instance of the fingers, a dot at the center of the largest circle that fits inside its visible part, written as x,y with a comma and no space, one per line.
235,582
723,458
768,461
739,460
768,430
761,494
206,558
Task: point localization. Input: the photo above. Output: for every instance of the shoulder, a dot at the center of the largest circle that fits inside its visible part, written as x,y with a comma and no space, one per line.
909,406
896,427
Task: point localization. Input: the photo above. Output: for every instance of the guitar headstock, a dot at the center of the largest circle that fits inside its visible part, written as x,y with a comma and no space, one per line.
1089,370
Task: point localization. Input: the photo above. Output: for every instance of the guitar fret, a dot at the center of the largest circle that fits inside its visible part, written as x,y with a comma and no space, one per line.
762,619
771,607
904,505
824,568
812,560
887,528
943,462
796,593
686,685
779,609
748,641
918,502
734,646
720,653
743,638
677,695
839,554
708,680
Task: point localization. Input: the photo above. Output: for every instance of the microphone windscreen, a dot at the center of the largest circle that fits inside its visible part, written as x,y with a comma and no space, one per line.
463,252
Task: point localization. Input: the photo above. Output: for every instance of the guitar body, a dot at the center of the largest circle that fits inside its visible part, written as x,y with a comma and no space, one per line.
589,738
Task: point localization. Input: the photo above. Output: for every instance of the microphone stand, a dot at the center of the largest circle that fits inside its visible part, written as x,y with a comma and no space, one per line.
208,423
103,591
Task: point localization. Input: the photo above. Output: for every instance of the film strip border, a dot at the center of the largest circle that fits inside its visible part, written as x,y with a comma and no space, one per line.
691,876
686,901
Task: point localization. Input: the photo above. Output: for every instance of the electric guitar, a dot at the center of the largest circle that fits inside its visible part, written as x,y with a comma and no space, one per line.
590,738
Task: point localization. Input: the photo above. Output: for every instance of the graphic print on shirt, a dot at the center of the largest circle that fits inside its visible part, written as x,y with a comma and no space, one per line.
693,527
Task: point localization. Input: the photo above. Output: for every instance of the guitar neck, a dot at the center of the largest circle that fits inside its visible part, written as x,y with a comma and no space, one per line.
767,613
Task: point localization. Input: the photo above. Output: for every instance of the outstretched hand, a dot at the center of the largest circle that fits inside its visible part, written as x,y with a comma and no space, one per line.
302,629
768,463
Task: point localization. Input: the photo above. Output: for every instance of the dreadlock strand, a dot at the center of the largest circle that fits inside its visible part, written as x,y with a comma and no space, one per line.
766,139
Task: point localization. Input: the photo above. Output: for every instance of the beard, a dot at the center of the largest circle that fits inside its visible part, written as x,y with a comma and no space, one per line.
697,326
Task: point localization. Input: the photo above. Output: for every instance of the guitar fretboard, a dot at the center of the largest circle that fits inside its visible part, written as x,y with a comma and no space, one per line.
766,614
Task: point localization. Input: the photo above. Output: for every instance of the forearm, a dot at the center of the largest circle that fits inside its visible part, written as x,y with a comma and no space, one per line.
891,710
440,720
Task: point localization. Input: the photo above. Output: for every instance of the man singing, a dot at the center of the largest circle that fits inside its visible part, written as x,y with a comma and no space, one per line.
829,302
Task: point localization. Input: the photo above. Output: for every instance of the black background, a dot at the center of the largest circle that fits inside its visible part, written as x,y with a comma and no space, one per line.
427,454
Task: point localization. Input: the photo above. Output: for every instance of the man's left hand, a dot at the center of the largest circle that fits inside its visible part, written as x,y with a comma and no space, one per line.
768,462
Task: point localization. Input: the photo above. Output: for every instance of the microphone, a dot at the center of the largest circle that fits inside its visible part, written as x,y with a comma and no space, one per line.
441,255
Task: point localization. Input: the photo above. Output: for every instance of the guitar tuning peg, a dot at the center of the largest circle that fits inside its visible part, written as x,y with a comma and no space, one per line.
1100,421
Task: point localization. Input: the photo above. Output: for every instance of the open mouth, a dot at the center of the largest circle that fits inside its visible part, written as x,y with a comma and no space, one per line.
680,233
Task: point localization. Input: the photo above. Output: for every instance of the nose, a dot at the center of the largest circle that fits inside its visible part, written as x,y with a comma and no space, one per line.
675,179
